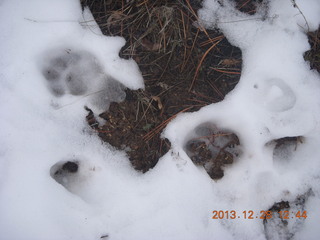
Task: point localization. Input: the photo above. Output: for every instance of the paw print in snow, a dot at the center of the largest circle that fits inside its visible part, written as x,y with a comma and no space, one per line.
79,73
212,148
65,172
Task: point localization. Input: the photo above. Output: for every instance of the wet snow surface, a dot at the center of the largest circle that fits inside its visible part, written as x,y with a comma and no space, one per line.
58,181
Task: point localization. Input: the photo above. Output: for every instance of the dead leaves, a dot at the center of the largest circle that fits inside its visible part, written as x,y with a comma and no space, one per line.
148,45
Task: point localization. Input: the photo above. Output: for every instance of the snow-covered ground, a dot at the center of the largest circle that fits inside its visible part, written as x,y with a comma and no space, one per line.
54,61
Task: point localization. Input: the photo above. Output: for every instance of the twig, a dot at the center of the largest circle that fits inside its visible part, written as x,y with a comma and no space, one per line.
297,7
200,63
224,71
162,125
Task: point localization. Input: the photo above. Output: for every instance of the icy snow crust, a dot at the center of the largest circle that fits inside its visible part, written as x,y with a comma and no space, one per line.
41,129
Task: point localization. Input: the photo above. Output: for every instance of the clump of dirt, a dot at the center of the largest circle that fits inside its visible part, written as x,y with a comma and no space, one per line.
71,167
282,142
313,55
213,148
284,218
247,6
125,131
68,167
280,206
184,68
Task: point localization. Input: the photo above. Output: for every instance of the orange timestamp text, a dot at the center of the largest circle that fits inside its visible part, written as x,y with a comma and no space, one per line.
249,214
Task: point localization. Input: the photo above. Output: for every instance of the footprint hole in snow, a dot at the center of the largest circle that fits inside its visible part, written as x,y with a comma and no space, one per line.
65,172
212,148
284,219
284,148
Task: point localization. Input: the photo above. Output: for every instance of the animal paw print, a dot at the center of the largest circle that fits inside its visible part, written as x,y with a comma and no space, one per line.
212,148
79,73
64,172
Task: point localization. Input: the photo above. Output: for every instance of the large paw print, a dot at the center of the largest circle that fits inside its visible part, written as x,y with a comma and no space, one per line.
79,73
213,148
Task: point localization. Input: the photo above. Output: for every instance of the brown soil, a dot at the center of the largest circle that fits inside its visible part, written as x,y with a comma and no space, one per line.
313,55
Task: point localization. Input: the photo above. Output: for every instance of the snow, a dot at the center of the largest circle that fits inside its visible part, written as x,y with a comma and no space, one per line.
45,43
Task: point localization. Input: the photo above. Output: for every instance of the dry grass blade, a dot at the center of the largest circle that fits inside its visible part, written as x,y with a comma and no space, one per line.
244,4
156,130
224,71
200,63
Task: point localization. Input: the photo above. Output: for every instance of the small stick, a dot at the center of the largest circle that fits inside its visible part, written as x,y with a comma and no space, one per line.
200,63
224,71
297,7
152,133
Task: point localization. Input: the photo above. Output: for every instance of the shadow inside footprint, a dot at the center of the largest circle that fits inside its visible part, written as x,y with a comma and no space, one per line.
285,147
76,85
65,172
79,73
56,67
213,148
